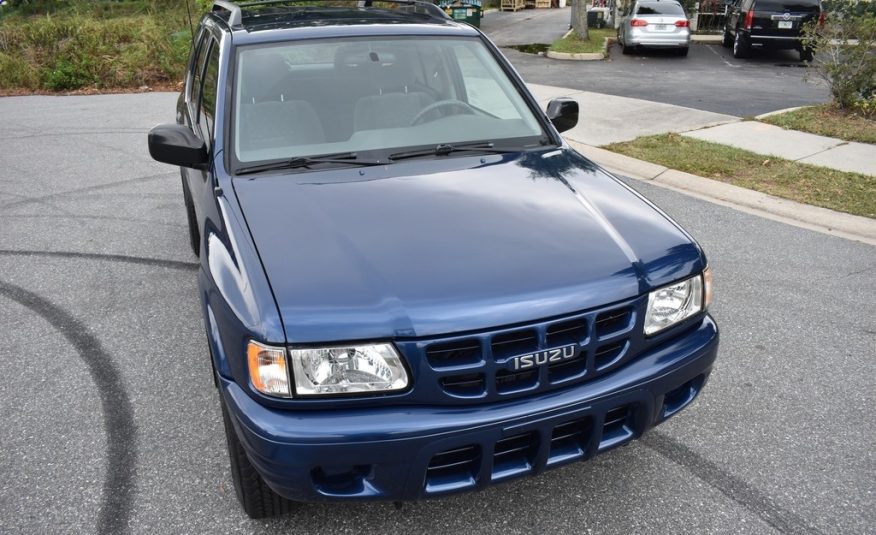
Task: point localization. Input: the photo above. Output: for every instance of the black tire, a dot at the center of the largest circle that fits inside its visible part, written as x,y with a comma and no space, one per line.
682,51
741,49
255,496
727,41
194,234
627,50
806,54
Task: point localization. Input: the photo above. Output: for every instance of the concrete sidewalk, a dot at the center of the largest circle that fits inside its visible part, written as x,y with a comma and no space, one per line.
605,119
800,147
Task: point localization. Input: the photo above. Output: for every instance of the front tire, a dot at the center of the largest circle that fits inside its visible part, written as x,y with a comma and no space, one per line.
727,41
254,495
741,49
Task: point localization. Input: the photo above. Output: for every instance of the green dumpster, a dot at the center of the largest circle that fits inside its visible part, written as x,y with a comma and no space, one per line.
468,11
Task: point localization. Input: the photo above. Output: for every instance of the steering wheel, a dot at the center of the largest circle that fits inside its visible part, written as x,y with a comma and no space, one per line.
458,104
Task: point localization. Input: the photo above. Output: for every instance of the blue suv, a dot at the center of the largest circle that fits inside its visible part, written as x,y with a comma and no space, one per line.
411,285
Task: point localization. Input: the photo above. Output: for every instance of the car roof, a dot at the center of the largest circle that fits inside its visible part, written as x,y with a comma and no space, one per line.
280,20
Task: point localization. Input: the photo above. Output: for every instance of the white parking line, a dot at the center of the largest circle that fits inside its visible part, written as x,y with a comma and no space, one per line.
712,50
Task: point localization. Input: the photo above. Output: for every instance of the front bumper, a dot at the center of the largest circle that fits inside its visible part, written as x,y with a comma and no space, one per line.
411,452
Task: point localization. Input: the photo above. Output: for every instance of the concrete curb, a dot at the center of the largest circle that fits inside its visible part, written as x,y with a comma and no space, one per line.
581,56
596,56
778,112
814,218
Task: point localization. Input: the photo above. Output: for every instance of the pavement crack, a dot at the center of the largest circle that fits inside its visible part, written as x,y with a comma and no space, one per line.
118,413
741,492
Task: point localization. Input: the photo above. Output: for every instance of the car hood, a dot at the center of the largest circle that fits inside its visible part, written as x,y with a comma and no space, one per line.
430,247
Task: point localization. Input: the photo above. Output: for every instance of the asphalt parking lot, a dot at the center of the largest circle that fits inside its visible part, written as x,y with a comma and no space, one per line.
709,78
111,423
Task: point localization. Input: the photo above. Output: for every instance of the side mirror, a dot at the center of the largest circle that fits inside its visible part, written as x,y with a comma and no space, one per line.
177,145
563,113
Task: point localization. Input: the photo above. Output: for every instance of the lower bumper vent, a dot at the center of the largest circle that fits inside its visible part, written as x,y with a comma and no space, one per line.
454,469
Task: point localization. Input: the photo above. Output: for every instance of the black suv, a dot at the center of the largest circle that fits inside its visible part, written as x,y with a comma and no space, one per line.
774,24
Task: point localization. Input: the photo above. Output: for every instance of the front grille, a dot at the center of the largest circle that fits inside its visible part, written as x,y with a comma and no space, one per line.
468,385
567,332
613,321
507,382
485,367
514,343
457,353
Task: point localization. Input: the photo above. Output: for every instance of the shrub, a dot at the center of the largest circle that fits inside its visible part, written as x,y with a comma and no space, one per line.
844,56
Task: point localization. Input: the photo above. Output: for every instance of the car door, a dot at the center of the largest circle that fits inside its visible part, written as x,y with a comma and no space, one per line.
198,113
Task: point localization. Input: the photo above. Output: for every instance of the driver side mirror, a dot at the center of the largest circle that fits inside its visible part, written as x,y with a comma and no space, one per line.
177,145
563,113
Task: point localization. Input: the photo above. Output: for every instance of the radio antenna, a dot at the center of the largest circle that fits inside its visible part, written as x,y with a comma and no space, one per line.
191,25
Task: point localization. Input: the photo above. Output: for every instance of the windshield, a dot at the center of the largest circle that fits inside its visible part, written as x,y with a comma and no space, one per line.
347,95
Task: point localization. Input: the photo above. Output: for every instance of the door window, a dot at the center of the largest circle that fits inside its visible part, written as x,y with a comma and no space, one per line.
207,108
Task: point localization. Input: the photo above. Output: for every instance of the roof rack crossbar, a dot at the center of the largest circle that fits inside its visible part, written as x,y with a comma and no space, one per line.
431,9
235,15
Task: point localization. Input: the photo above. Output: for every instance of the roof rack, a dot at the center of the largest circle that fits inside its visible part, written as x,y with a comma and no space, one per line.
235,11
235,15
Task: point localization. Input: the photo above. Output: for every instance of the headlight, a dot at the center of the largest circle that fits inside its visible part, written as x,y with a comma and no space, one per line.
347,369
267,369
674,303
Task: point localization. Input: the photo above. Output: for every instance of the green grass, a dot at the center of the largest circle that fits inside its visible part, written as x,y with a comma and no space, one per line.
827,120
574,45
101,45
847,192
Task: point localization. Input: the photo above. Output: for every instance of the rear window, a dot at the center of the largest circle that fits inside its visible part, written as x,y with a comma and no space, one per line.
786,5
660,8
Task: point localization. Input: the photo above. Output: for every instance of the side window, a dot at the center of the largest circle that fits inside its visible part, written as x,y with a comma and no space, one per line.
197,53
207,108
197,79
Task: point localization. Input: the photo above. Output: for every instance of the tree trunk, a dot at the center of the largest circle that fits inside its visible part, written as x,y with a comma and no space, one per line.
580,22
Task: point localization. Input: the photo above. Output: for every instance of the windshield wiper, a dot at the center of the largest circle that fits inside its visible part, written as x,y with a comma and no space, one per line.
444,149
347,158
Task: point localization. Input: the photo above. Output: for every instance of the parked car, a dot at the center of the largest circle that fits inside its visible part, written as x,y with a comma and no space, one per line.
654,24
411,284
775,24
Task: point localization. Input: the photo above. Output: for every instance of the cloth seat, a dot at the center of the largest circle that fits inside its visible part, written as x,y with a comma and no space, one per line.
275,124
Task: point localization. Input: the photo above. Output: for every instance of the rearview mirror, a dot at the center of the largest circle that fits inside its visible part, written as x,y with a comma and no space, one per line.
177,145
563,113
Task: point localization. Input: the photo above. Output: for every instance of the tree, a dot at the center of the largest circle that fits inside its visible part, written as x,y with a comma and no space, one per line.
580,22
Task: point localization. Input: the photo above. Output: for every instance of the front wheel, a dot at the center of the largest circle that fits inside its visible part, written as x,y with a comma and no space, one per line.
727,41
256,497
